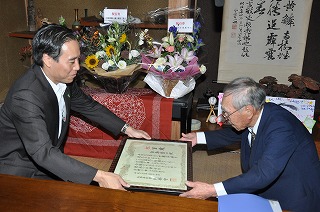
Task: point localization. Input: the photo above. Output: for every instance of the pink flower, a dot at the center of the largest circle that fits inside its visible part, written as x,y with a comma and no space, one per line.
170,49
181,38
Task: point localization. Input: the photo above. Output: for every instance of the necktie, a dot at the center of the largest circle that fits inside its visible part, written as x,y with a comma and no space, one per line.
253,137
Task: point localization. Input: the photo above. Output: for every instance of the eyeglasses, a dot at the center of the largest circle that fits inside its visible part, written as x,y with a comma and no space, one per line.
224,117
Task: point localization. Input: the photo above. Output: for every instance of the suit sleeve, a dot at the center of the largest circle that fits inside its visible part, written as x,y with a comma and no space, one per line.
28,115
91,109
220,138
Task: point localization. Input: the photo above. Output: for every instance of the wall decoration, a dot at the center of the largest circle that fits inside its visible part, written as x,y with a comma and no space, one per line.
263,37
303,109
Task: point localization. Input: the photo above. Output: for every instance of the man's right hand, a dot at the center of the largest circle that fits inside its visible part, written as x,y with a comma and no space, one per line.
189,137
110,180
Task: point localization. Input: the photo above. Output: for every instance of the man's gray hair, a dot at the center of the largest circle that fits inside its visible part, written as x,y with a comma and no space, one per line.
245,91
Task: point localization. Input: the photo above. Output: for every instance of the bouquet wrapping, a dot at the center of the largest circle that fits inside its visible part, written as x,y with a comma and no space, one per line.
171,84
172,65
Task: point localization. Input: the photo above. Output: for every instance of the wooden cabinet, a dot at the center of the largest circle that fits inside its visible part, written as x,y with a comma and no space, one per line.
173,7
173,4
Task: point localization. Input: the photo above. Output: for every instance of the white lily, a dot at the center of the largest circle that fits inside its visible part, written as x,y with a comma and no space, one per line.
187,55
103,45
156,52
159,64
171,39
165,45
175,62
100,54
190,38
160,61
165,39
110,40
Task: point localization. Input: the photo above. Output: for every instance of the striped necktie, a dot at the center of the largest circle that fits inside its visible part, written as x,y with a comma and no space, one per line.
253,137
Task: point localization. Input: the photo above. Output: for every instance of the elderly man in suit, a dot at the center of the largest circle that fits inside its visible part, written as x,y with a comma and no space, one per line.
36,112
278,155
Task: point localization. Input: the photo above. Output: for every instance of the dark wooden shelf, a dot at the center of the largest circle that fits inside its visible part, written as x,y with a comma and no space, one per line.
22,34
29,34
150,26
141,25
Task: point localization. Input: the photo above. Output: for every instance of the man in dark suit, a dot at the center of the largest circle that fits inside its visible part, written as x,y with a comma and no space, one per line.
278,156
36,112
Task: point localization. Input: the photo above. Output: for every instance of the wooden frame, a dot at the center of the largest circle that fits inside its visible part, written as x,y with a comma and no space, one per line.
154,165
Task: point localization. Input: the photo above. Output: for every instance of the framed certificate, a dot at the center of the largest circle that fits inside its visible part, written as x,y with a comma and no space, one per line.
154,165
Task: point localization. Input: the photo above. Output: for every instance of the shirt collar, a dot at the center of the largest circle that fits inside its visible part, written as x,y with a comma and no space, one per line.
59,88
254,129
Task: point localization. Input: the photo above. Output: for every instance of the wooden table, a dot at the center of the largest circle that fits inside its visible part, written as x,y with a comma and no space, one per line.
26,194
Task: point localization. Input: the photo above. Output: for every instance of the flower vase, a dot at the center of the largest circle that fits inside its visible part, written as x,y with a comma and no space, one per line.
76,26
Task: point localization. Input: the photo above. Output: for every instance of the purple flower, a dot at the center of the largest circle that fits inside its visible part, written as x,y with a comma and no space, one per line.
196,27
174,30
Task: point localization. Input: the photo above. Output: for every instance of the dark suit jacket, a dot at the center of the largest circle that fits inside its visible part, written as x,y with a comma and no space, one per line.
283,163
29,124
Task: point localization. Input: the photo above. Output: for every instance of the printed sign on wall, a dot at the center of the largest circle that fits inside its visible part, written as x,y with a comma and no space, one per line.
303,109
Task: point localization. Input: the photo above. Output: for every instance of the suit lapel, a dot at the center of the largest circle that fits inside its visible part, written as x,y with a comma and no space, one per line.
65,124
249,157
245,151
51,105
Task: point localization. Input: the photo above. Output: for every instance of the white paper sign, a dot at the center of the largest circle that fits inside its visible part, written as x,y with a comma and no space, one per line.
303,109
115,15
183,25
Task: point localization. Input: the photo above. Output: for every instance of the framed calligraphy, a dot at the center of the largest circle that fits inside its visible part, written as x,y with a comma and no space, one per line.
154,165
263,37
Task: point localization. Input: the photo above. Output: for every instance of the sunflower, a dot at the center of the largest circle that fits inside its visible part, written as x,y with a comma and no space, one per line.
123,38
91,61
110,50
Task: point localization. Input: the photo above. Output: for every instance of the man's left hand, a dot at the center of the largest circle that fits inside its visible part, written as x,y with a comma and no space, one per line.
199,190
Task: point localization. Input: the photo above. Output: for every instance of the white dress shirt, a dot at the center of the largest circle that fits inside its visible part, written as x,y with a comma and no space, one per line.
201,139
59,90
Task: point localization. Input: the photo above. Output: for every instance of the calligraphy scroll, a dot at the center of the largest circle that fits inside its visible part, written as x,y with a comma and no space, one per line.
263,38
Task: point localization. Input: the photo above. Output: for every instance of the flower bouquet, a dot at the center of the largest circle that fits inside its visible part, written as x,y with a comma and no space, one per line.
172,65
108,55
